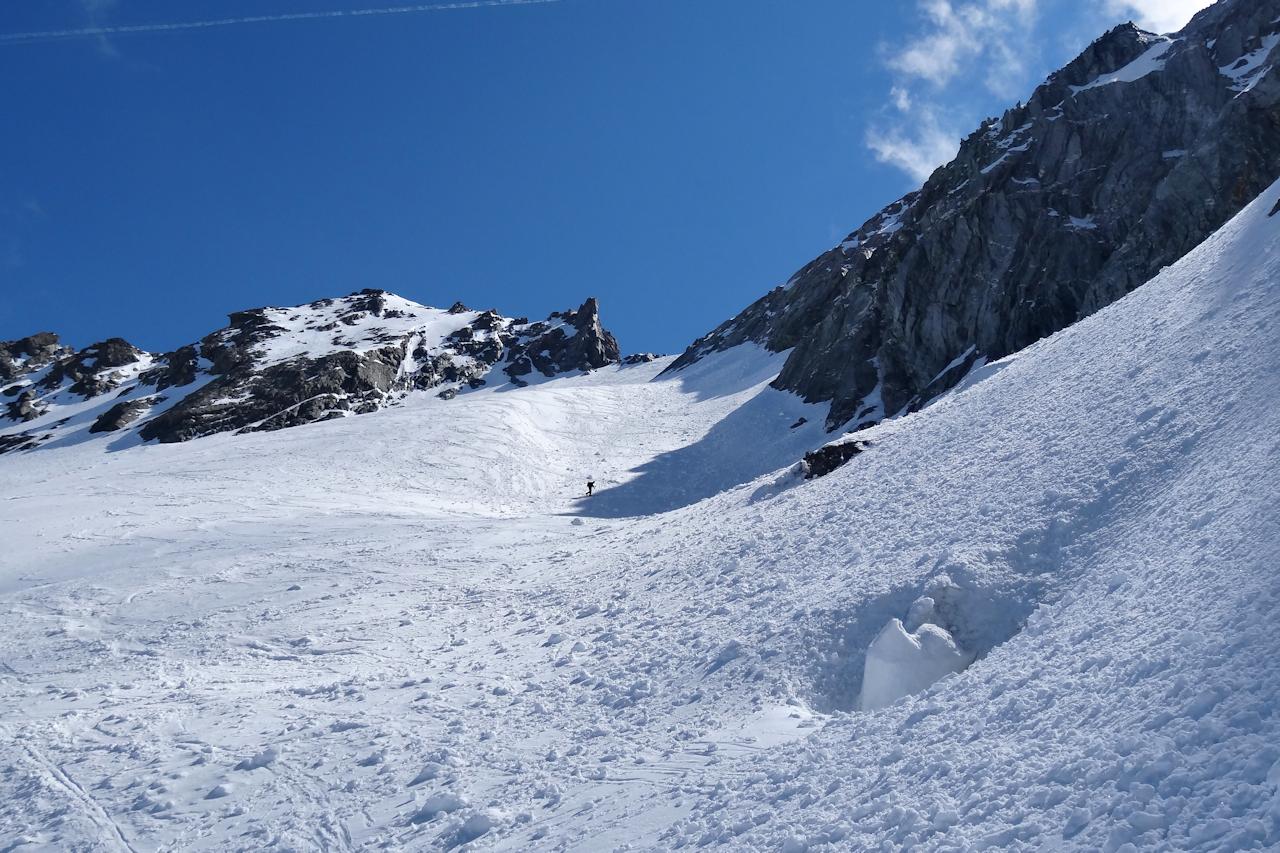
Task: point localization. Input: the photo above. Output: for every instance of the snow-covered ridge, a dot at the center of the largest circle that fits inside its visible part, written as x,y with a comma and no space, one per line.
278,367
328,326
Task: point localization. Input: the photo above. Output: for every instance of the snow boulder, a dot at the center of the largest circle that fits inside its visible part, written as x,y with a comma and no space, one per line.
901,662
439,804
475,826
265,758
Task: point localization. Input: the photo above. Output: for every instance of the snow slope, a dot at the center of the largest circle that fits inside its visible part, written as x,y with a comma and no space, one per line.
405,631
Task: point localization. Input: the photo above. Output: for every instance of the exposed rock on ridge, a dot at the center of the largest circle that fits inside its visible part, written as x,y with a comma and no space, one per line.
272,368
1118,165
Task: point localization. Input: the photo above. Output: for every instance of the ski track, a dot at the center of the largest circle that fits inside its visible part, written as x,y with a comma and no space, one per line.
407,630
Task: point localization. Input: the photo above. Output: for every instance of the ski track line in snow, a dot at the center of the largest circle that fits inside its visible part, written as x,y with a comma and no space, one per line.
96,812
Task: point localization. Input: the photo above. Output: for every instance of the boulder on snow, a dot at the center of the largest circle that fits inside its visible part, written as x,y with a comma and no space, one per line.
122,414
824,460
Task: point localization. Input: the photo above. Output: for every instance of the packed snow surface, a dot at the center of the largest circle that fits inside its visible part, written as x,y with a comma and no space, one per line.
410,631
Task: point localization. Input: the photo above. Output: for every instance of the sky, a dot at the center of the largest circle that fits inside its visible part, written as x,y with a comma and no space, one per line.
676,159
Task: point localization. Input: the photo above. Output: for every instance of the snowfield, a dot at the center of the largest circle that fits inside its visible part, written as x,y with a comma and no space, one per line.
408,630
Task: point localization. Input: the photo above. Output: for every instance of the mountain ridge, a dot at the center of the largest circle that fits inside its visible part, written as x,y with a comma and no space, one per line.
1119,163
272,368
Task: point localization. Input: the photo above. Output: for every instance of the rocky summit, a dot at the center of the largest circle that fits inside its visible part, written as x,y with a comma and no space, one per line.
1118,165
272,368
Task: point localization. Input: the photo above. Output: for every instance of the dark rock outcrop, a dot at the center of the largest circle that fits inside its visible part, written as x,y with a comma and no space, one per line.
26,408
1060,207
299,391
92,370
122,414
26,355
640,358
551,350
19,441
175,370
824,460
88,373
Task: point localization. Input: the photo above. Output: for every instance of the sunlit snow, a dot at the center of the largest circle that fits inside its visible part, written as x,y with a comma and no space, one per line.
412,630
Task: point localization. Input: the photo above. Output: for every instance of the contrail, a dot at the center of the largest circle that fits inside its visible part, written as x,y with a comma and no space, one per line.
91,32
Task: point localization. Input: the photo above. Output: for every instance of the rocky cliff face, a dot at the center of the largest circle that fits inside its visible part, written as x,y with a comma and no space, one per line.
272,368
1118,165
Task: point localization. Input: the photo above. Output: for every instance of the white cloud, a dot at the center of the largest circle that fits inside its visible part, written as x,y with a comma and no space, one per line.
957,33
965,51
1161,16
983,40
918,146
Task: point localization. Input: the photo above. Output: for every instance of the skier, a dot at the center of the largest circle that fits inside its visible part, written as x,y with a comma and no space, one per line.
591,487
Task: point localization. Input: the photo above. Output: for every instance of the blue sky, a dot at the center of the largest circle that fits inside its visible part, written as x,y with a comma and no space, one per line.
675,158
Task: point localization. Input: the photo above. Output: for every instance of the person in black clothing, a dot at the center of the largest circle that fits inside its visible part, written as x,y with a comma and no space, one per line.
591,487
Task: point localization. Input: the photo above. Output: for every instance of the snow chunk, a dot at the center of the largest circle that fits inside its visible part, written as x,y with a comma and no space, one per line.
475,826
438,804
900,663
265,758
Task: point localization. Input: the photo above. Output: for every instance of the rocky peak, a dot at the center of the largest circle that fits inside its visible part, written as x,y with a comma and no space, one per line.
28,354
1115,167
271,368
40,370
92,371
590,346
113,352
1115,49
